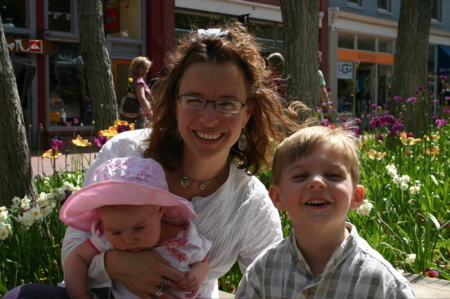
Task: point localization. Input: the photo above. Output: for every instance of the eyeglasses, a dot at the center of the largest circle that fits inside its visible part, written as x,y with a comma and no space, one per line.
193,102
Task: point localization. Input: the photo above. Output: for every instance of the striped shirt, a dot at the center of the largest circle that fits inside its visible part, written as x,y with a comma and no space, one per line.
355,270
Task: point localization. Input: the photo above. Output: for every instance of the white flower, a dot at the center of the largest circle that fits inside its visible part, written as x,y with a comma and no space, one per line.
47,211
397,180
3,216
404,186
414,190
405,179
4,232
410,259
392,171
412,201
365,208
25,203
27,219
36,212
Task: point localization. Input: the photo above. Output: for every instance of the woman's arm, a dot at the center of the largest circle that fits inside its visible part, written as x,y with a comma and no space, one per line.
143,273
140,94
76,269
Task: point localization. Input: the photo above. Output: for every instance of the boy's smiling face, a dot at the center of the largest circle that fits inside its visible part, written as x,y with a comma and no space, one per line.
317,191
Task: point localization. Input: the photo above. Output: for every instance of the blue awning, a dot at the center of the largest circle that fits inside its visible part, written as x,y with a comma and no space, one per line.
443,60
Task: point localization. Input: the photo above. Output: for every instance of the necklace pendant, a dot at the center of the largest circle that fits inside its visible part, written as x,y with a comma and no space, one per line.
185,181
202,186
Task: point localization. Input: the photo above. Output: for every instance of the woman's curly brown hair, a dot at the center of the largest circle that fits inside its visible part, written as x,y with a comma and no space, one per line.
267,123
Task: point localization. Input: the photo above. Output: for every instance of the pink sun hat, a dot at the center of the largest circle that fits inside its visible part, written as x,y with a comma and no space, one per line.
123,181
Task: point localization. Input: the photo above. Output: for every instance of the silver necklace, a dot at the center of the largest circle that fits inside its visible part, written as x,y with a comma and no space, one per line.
185,180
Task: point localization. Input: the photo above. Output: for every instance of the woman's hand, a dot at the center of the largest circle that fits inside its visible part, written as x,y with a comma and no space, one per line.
143,273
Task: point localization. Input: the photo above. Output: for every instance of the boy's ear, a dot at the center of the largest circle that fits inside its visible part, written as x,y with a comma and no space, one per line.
358,197
275,196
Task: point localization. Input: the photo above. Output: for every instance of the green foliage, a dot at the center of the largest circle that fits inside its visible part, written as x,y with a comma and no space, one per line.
407,213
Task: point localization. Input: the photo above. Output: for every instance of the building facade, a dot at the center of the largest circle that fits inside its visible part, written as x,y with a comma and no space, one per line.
43,40
366,31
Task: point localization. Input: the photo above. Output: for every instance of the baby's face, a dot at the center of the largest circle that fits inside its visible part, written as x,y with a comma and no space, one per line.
132,228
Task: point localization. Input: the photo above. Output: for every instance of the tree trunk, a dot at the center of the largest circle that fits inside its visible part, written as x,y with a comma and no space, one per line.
300,20
16,176
97,63
411,66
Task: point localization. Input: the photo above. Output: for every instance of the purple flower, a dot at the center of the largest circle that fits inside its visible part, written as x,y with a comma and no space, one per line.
356,130
375,123
411,100
325,122
443,78
397,128
431,83
100,140
369,115
430,273
420,88
76,120
388,120
57,144
123,128
434,101
398,98
441,122
316,108
379,138
68,123
342,120
356,120
329,89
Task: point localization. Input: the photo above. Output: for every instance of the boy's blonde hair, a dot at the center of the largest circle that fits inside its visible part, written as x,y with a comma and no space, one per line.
138,62
343,145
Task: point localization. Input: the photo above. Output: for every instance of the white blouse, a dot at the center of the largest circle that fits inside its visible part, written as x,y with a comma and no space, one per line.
239,218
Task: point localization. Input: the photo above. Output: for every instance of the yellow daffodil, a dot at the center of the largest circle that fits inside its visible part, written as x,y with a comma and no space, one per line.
120,122
408,140
111,132
433,151
373,154
81,142
52,154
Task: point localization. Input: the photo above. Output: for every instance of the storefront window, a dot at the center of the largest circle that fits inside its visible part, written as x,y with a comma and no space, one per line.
346,40
385,45
366,43
384,84
129,21
69,103
14,14
60,15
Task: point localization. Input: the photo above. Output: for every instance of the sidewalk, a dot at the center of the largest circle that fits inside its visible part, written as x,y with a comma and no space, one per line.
424,287
69,162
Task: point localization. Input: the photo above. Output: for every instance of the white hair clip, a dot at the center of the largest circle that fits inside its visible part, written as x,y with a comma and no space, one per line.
213,32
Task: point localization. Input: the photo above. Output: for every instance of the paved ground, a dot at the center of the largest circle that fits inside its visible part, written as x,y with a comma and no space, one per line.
424,287
74,161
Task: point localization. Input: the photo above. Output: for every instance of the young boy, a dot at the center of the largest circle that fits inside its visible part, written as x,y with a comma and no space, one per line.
315,176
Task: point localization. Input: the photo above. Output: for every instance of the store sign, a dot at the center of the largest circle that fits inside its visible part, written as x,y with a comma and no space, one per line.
25,45
112,20
345,70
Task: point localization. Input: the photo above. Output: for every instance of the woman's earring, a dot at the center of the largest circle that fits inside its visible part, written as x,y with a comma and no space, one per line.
242,142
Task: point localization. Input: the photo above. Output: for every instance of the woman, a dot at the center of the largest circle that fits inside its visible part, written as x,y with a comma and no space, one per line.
217,124
138,71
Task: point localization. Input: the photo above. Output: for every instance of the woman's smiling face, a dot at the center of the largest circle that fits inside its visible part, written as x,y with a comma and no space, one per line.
207,132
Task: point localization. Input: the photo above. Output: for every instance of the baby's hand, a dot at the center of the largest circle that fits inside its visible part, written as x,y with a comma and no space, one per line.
190,283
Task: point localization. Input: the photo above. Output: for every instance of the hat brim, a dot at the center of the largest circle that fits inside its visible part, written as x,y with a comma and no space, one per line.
80,209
